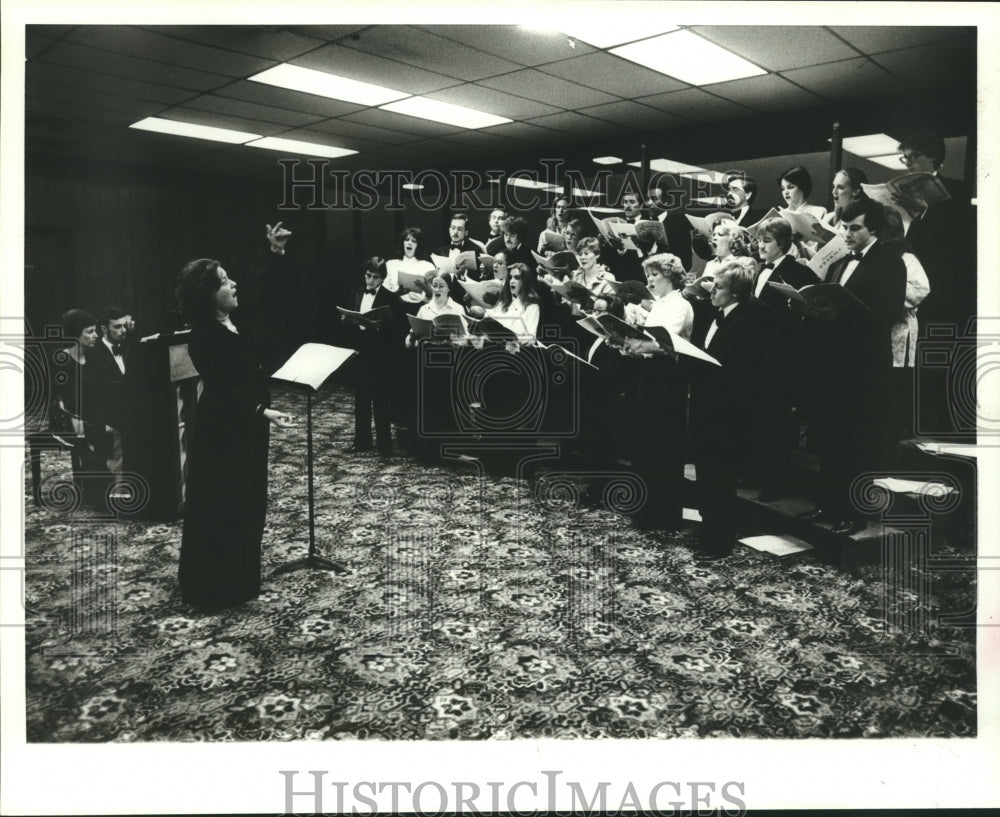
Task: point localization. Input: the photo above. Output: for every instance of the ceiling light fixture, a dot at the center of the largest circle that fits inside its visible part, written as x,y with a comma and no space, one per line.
689,58
607,160
444,112
305,148
613,31
175,128
320,83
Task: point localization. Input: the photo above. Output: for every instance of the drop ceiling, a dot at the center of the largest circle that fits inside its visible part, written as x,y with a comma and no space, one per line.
86,84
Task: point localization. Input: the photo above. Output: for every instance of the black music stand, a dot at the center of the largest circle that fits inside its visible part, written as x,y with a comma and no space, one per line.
309,368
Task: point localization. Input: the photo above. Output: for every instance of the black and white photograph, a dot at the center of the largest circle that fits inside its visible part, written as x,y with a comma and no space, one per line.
581,406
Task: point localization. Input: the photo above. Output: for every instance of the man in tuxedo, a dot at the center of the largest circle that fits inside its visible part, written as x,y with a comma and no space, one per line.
853,352
377,367
459,241
786,365
660,204
515,239
734,338
626,264
107,359
942,236
494,241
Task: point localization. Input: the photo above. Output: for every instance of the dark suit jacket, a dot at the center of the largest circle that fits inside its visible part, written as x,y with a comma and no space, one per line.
387,341
109,392
466,246
791,272
858,341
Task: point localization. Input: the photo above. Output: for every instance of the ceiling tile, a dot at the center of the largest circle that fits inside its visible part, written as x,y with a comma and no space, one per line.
104,83
698,105
357,65
492,101
72,112
548,89
778,48
88,98
634,115
251,111
615,75
937,65
35,44
583,126
328,33
415,46
399,122
270,42
847,79
874,39
261,94
137,42
767,93
514,42
193,116
104,62
490,141
355,130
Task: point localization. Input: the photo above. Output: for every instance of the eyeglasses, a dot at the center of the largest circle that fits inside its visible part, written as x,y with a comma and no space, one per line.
909,158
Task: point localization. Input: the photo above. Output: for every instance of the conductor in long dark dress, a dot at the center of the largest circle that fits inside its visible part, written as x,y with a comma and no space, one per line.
226,499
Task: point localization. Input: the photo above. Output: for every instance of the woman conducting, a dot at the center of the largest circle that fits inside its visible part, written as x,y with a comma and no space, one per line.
226,498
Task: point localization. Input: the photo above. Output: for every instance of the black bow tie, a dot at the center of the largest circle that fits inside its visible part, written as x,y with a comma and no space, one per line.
856,256
767,266
456,246
116,349
370,291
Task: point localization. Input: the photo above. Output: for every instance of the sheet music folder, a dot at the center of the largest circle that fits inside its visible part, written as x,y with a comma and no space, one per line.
312,364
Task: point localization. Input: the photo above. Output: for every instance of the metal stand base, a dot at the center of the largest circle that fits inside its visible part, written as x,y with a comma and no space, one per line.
311,561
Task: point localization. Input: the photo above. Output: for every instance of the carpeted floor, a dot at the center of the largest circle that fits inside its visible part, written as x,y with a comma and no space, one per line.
478,607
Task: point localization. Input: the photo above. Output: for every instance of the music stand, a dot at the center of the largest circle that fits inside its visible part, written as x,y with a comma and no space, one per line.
309,368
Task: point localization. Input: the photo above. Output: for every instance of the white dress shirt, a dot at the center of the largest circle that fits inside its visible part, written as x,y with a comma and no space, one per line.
765,275
853,265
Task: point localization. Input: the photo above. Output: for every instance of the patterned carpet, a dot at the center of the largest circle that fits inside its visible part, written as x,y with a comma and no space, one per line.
477,608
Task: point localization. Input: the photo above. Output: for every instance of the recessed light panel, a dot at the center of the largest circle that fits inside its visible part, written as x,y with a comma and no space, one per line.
876,144
305,148
174,128
689,58
320,83
444,112
611,31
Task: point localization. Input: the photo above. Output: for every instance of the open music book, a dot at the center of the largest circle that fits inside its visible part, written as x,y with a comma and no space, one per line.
483,293
918,190
442,326
821,296
808,226
671,342
415,282
502,329
575,292
562,261
705,225
312,364
554,241
372,317
833,250
633,292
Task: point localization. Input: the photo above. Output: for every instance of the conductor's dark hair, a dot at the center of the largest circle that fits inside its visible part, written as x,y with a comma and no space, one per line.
196,287
75,321
928,143
780,230
873,212
107,314
799,176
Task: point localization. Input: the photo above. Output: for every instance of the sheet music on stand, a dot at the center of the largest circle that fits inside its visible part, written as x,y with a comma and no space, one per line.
312,364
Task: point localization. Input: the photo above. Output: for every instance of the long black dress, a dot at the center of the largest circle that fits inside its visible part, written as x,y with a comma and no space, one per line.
226,498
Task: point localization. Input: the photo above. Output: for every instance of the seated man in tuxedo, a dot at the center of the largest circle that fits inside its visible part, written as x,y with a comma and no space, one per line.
852,349
718,395
786,362
741,194
107,360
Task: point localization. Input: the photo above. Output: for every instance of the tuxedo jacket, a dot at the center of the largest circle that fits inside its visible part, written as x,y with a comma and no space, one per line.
109,391
859,340
789,271
466,246
388,339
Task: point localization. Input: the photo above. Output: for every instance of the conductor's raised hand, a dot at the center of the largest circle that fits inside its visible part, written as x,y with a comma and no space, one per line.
277,237
279,418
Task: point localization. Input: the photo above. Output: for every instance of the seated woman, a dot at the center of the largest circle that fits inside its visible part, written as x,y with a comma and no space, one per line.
412,258
519,303
846,188
796,187
556,222
439,304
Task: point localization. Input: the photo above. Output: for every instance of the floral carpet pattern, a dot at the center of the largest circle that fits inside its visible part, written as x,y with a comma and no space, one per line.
478,607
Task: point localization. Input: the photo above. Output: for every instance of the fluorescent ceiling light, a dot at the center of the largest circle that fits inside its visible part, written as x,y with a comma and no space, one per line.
444,112
667,166
876,144
890,161
710,176
607,160
711,201
689,58
171,126
295,146
609,31
320,83
413,187
581,193
605,209
518,181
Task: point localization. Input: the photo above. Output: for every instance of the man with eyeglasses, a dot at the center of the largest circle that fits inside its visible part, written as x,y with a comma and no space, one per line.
942,237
